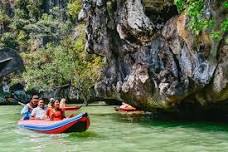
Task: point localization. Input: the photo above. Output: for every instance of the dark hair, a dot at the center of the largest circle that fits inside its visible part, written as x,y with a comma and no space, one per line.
35,97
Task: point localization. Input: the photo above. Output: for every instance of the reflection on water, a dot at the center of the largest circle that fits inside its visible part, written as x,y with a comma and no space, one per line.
110,131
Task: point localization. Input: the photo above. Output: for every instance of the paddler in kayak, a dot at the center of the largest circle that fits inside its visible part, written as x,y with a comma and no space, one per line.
127,107
39,113
26,111
56,112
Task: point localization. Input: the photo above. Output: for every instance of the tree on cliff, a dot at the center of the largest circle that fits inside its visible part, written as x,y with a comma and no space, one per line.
51,43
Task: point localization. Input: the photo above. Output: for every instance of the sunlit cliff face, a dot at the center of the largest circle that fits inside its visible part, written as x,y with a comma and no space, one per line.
153,60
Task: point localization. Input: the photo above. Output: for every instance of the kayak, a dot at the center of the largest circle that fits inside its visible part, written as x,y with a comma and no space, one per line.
77,123
69,108
129,111
136,112
125,109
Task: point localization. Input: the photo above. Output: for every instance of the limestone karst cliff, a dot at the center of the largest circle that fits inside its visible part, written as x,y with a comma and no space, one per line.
154,60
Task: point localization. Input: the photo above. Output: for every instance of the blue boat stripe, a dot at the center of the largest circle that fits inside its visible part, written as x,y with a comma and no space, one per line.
53,126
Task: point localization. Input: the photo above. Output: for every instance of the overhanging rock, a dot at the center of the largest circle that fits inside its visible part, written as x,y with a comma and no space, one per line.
10,61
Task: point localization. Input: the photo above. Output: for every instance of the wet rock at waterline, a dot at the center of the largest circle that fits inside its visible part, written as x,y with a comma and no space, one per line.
153,60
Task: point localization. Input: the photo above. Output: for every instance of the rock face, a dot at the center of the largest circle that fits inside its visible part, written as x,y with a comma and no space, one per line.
10,62
153,60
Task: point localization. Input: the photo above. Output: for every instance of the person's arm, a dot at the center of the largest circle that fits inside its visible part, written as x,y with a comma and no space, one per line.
45,117
24,110
25,113
33,114
48,113
51,115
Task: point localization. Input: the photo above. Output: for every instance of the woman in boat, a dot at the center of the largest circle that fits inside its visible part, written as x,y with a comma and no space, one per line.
56,112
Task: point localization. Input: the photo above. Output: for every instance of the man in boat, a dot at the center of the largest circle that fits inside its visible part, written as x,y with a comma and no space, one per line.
39,113
26,111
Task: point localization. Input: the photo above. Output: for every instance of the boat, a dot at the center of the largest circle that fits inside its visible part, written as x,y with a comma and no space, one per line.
125,108
136,112
71,108
78,123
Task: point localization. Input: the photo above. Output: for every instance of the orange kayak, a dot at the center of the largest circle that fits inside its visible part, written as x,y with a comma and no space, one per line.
125,107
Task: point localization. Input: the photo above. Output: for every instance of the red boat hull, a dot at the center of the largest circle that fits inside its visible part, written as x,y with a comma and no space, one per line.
78,123
71,108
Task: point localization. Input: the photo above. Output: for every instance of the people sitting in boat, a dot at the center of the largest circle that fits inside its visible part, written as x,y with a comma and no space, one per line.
39,113
127,107
56,113
62,104
26,111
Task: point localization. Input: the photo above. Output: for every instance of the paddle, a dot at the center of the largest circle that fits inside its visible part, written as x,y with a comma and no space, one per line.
20,103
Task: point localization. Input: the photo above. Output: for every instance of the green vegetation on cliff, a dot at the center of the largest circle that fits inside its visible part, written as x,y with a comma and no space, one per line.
51,42
202,17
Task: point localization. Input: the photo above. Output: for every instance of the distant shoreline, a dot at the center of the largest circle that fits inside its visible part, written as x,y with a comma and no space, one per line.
8,103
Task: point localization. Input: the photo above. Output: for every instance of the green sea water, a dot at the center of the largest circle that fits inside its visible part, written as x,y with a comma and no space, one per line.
113,132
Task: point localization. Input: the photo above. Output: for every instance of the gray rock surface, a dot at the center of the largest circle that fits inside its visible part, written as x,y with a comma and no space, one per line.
10,62
153,63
